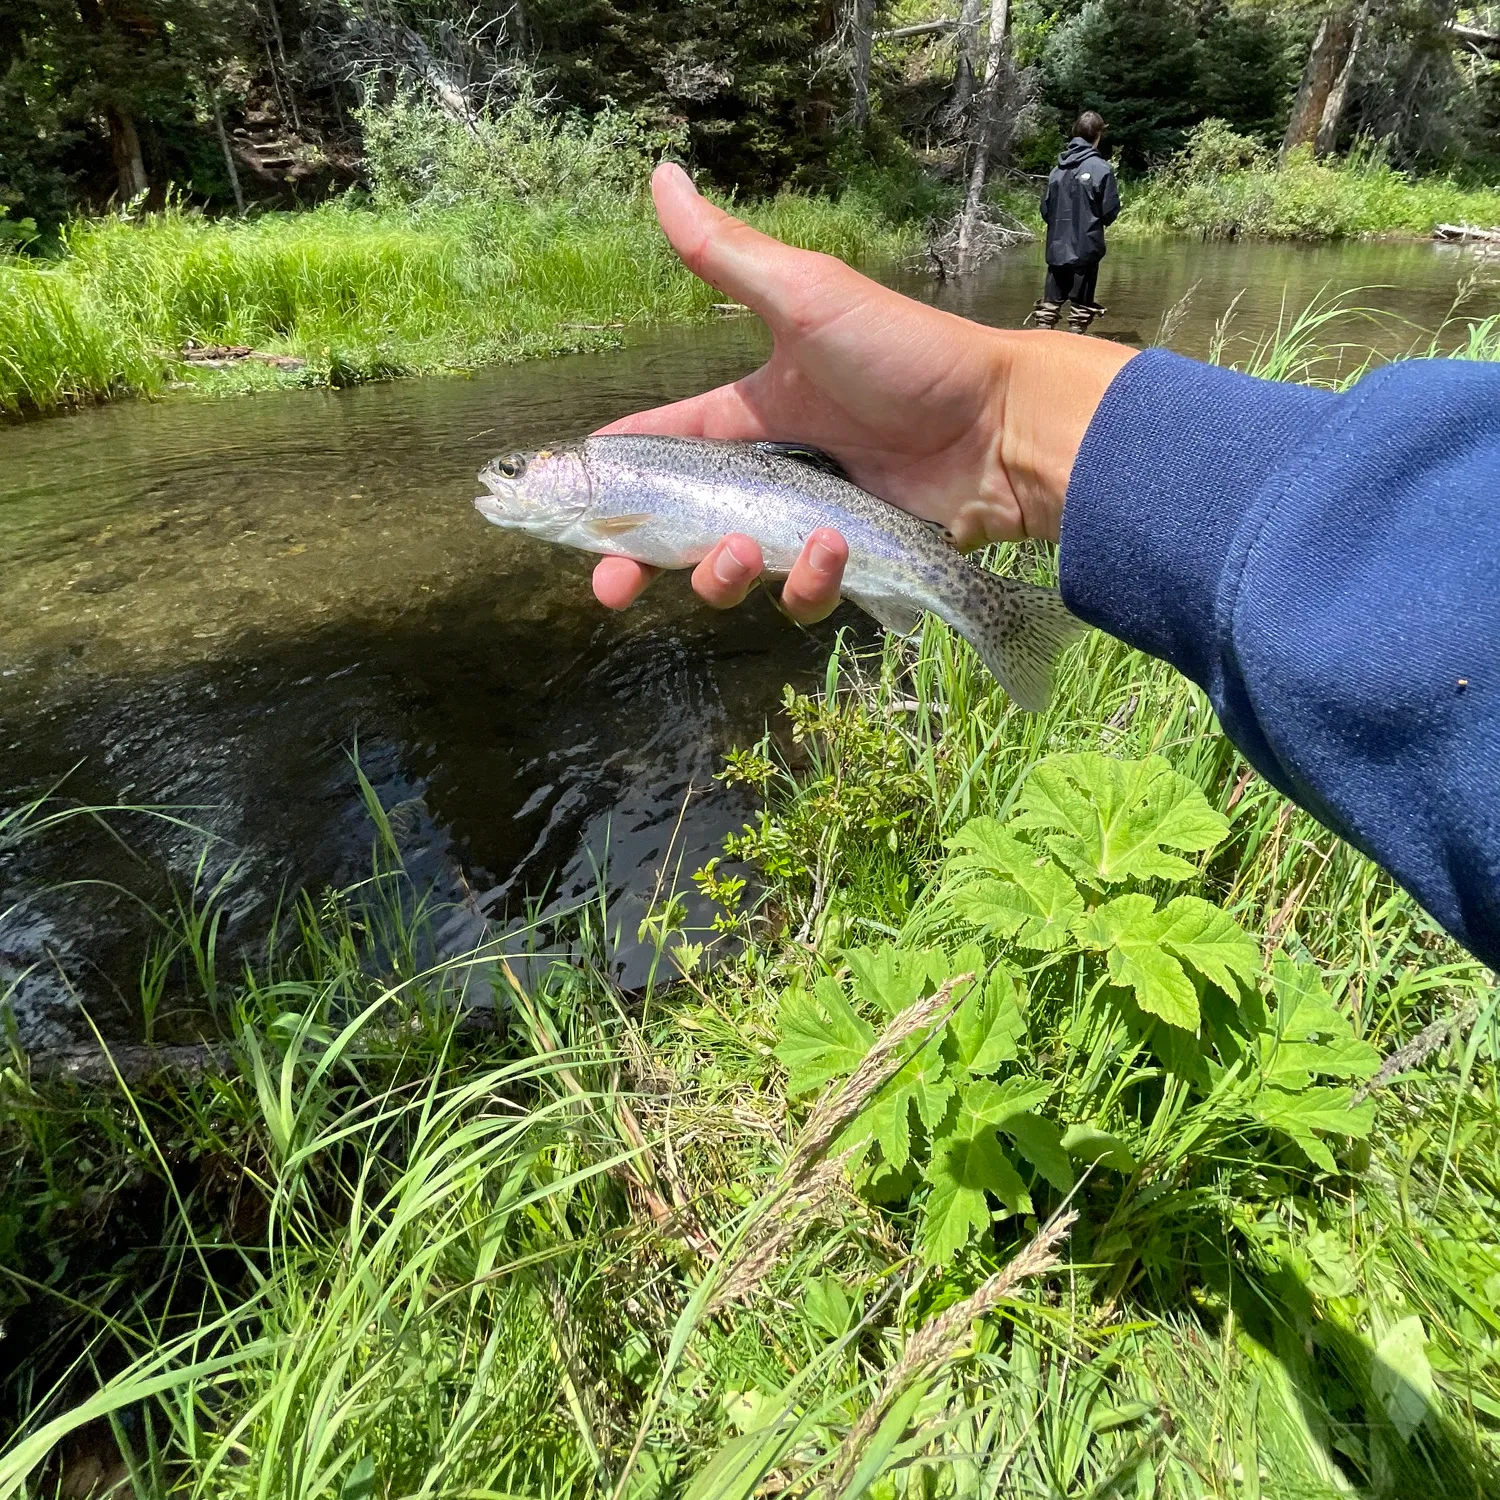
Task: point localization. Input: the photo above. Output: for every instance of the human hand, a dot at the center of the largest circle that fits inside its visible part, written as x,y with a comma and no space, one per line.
972,427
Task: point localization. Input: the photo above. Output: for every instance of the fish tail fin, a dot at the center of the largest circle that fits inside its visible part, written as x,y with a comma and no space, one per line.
1019,629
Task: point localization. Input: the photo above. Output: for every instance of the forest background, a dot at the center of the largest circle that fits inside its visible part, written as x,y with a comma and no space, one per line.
283,102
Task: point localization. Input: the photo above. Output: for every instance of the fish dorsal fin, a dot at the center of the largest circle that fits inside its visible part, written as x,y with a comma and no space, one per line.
805,453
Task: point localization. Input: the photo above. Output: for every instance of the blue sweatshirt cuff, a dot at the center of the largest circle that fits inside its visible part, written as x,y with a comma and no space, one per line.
1172,468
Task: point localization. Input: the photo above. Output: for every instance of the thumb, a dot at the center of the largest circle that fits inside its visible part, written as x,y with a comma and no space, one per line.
772,279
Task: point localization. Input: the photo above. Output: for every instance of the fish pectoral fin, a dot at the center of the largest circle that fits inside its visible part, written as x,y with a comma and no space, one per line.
896,612
619,525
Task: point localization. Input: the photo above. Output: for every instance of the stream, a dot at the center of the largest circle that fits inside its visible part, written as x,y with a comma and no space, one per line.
213,607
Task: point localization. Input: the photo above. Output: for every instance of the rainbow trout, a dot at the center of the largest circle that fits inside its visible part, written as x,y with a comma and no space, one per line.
666,500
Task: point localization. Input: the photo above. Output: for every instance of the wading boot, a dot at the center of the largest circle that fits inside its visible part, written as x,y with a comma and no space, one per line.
1081,314
1044,314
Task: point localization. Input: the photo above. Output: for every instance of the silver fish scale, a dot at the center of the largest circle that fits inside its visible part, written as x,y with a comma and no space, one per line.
666,500
799,497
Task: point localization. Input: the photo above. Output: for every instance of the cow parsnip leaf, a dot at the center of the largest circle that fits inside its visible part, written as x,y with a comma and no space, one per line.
987,1104
987,1028
1039,1140
886,1120
1087,1143
1129,931
920,1081
1303,1006
1310,1113
1035,910
821,1035
1401,1377
1032,901
1313,1036
893,978
1211,941
964,1167
987,844
1112,820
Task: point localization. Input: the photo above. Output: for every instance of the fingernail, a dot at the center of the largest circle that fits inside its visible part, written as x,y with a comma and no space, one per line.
822,559
728,568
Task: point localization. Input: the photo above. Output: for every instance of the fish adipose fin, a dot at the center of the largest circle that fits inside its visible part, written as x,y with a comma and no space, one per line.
898,615
1018,629
804,453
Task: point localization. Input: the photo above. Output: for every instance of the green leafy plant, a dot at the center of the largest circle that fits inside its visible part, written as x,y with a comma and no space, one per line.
1137,1014
939,1115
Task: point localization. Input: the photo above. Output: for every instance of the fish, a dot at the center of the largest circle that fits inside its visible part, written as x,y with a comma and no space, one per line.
666,501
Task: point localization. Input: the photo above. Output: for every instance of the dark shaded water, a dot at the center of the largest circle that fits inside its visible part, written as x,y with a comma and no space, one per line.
208,605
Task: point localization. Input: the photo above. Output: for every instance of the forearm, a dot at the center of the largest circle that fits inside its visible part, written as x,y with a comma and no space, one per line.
1325,567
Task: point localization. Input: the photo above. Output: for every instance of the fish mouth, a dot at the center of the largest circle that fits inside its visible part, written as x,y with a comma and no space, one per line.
493,509
502,505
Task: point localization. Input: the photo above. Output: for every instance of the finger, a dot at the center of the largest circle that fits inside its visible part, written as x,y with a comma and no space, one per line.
811,591
772,279
619,582
729,572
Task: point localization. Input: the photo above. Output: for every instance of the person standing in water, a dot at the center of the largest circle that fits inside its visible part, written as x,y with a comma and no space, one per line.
1081,199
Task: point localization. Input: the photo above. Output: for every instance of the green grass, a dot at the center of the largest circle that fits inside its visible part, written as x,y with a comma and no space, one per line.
1223,185
1302,200
384,1253
360,293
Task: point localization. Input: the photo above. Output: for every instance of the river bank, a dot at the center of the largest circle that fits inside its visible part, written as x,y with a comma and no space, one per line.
346,293
597,1241
1302,199
1225,186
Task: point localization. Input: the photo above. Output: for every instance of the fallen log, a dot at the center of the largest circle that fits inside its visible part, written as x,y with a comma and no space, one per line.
921,28
130,1062
1460,233
1473,35
135,1063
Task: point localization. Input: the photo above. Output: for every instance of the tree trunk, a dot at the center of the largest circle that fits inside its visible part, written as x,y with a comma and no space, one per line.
984,133
1325,61
234,176
125,146
862,24
1333,106
966,69
291,92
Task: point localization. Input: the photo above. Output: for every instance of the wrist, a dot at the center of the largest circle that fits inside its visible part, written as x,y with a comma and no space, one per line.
1049,386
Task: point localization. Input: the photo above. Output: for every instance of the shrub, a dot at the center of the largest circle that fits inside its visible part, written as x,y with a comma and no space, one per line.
1212,149
415,153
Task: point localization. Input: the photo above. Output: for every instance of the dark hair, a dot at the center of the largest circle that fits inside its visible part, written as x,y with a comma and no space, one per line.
1090,125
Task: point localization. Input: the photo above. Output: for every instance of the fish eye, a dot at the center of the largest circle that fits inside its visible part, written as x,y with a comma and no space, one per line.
511,467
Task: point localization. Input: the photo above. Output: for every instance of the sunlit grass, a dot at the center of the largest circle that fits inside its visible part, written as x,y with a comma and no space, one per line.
357,293
393,1247
1305,200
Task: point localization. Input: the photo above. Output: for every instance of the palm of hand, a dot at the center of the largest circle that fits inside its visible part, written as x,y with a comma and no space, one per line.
885,384
885,395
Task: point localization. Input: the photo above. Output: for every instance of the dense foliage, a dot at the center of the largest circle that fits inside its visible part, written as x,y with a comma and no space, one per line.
274,101
1153,70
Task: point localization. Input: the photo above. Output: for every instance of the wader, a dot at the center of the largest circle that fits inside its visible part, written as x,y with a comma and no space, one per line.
1073,284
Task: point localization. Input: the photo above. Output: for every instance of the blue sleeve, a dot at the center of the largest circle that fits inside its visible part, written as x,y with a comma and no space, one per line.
1327,567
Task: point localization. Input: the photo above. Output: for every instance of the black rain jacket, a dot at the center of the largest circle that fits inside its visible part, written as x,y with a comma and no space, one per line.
1080,199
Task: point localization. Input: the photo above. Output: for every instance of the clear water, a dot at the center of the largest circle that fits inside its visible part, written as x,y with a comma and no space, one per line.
209,605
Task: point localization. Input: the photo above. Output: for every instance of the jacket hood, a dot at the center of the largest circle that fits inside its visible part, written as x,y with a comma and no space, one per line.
1076,152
